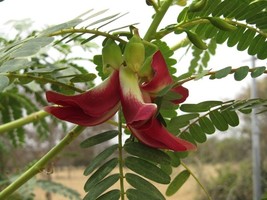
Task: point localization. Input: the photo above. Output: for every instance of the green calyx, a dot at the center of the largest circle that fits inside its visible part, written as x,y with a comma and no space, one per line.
134,53
111,56
146,71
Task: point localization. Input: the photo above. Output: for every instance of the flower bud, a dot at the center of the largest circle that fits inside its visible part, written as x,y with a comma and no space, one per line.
134,53
111,55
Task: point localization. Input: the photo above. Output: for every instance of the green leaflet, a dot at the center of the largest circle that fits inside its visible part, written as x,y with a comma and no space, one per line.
181,121
100,173
197,133
194,108
4,82
59,27
96,162
14,65
31,47
147,169
110,195
166,168
206,125
200,107
231,117
234,37
147,153
221,37
177,182
257,71
175,158
133,194
223,72
218,120
80,78
101,187
255,45
143,185
241,73
224,7
187,136
244,41
99,138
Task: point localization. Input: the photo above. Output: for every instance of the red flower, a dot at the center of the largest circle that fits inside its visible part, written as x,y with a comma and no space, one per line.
90,108
102,102
141,116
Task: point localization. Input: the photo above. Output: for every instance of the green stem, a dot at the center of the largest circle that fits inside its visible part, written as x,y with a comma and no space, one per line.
121,156
22,121
197,180
157,19
40,164
180,82
90,31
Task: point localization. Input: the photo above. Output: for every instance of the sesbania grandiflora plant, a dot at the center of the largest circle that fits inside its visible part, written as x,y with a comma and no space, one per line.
140,94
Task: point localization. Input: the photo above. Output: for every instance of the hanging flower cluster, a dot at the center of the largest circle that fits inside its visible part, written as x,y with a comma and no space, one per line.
134,83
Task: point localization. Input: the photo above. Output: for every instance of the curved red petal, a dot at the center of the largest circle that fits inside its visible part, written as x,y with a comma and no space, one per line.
135,110
157,136
94,102
182,91
161,77
77,116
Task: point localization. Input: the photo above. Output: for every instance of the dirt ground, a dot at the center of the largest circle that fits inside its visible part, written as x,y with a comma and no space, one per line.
73,177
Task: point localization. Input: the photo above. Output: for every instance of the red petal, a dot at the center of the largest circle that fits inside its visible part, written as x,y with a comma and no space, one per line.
77,116
161,78
94,102
157,136
182,91
135,110
90,108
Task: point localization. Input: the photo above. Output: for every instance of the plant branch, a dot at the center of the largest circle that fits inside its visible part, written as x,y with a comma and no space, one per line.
180,27
180,82
157,19
22,121
90,31
40,164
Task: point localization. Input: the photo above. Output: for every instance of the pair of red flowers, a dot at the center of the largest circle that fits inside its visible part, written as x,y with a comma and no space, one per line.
123,88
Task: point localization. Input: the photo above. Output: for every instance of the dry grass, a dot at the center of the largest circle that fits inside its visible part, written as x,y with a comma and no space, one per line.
73,178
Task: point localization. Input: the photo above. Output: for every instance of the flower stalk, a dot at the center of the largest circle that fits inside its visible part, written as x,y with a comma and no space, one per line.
157,19
121,161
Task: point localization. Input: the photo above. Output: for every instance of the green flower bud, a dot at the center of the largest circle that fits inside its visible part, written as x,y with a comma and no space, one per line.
197,5
222,24
111,55
134,53
196,40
